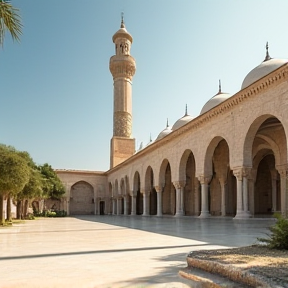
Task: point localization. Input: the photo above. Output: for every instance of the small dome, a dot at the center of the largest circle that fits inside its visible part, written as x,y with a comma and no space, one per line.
165,132
267,66
215,100
122,33
262,70
182,121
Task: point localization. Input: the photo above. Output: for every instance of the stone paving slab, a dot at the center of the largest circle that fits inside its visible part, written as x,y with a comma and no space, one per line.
111,251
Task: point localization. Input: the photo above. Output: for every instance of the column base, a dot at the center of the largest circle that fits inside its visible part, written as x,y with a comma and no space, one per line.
242,215
159,215
179,214
204,214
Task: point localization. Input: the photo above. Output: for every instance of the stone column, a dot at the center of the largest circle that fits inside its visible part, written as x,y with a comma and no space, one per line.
204,196
283,187
159,191
246,174
145,203
197,196
274,189
239,176
114,210
118,206
125,205
242,193
133,204
223,196
179,185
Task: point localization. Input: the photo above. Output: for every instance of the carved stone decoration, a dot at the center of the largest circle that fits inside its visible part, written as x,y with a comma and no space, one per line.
122,124
204,179
122,66
179,184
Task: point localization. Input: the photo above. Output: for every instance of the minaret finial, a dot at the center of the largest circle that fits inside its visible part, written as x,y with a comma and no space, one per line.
167,124
186,113
219,87
122,20
267,53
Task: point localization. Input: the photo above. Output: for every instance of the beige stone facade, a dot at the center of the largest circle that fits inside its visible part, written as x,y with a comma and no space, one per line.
229,161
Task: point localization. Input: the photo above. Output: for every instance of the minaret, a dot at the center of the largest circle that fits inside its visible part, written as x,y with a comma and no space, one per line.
122,67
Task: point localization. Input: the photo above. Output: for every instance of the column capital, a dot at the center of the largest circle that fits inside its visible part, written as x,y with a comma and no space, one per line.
282,170
238,173
179,184
158,188
203,179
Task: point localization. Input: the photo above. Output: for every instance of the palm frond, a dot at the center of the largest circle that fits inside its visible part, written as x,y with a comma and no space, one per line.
9,20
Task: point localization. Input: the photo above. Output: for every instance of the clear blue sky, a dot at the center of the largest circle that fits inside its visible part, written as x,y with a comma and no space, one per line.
57,91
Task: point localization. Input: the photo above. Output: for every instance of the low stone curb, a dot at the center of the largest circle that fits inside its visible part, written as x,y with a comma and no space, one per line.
198,282
233,273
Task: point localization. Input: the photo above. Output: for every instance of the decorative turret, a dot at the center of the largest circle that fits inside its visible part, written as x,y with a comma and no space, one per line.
122,67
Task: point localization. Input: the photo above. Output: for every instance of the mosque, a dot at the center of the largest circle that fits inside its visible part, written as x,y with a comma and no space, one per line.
231,160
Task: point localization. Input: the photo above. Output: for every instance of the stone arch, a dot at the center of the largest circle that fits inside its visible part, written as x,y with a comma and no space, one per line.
222,185
150,190
187,177
168,192
82,199
110,187
265,151
128,196
137,193
251,135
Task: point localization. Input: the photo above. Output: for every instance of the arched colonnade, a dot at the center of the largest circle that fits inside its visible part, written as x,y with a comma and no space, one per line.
240,173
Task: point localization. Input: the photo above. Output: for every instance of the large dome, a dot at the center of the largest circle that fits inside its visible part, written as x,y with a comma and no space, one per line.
165,132
267,66
262,70
215,100
182,121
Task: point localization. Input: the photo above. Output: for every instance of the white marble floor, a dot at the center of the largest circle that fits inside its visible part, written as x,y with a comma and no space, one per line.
113,251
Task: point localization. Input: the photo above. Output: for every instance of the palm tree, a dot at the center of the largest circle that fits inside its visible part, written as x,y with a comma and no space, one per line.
9,20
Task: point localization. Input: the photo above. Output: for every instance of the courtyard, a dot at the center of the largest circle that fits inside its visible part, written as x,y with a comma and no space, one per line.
111,251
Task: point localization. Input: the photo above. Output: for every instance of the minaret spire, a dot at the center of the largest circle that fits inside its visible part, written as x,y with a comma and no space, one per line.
267,53
122,20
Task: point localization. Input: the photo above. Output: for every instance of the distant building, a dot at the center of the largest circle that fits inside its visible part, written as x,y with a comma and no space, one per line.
231,160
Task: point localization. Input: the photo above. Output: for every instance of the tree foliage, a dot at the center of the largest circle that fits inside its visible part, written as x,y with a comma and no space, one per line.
9,20
52,185
14,170
279,234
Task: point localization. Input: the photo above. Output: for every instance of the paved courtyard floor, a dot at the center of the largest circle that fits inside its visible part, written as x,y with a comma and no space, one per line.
113,251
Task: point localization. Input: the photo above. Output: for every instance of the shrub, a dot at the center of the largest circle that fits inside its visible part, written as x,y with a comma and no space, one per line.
49,213
279,234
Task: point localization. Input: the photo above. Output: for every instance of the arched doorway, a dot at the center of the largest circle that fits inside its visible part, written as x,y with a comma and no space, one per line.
82,199
139,195
265,150
222,186
169,193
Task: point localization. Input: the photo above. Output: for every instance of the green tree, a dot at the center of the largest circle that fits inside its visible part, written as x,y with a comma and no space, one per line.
9,20
14,171
52,186
32,189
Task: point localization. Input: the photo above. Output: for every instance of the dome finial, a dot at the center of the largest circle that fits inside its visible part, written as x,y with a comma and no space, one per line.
167,124
150,138
267,53
122,20
219,87
186,113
